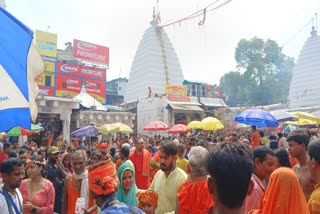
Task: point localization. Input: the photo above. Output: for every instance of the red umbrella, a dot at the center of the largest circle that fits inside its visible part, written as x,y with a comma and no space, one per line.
270,129
156,126
179,128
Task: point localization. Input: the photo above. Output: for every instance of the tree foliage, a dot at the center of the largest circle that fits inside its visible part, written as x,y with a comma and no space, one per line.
263,76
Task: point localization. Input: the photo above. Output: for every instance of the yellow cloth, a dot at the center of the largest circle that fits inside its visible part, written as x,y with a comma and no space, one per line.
264,140
182,163
167,189
314,201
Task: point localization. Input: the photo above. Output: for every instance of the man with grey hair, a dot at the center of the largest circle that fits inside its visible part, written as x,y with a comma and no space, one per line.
77,186
196,185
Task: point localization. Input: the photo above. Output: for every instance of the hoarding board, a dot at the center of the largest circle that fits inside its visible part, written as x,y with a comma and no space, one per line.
178,90
46,43
84,71
90,52
67,86
97,89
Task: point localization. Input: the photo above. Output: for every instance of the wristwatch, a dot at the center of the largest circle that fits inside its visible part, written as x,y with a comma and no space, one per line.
33,210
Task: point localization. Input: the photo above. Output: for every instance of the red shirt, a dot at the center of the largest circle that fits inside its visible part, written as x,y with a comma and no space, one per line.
142,182
3,156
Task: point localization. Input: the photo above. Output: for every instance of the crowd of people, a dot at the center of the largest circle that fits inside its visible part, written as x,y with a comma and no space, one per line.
233,174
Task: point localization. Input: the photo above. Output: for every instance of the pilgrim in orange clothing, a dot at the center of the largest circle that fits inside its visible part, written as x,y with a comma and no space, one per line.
255,137
77,186
283,195
193,195
148,201
141,159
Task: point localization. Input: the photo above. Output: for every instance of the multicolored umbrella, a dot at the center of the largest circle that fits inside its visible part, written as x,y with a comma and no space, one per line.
178,129
156,126
20,64
257,117
19,131
211,123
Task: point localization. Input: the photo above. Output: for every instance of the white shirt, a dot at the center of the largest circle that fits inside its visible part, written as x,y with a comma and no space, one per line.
3,203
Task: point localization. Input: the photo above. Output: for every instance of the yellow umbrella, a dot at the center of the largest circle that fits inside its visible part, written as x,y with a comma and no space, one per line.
301,122
123,128
108,128
307,116
195,125
211,123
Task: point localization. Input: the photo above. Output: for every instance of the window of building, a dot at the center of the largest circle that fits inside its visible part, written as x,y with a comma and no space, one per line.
48,81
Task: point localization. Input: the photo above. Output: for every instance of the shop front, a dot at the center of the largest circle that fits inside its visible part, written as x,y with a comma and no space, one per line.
54,115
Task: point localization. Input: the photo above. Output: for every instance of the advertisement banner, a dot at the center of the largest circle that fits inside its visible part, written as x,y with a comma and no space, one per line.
46,43
178,90
97,89
50,66
84,71
46,91
67,86
90,52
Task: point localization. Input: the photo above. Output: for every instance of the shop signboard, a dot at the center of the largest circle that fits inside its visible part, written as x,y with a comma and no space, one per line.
90,52
178,90
46,43
67,86
46,91
84,71
97,89
179,98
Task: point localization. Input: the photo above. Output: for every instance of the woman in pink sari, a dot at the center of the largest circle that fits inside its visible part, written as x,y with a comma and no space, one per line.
37,192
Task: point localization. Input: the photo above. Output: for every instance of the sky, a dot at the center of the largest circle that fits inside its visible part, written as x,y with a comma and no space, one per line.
205,52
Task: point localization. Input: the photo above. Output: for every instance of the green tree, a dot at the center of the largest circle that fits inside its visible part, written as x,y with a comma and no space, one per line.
264,73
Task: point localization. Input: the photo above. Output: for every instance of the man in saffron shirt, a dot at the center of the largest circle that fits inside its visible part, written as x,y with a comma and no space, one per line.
255,137
141,161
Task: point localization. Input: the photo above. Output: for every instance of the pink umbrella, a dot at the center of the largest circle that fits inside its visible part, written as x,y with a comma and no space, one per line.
179,128
156,126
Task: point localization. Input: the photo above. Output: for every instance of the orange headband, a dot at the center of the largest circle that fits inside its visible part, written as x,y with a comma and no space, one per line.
103,178
149,197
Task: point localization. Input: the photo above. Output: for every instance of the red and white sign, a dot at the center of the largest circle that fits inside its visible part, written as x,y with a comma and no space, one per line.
46,91
67,86
84,71
97,89
90,52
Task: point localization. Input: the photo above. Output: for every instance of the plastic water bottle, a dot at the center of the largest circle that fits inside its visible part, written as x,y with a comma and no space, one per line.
80,206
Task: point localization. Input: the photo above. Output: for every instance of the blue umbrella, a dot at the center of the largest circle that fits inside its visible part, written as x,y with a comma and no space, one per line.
87,131
20,64
257,117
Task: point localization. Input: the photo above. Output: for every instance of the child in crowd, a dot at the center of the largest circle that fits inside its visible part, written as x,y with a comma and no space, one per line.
148,201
